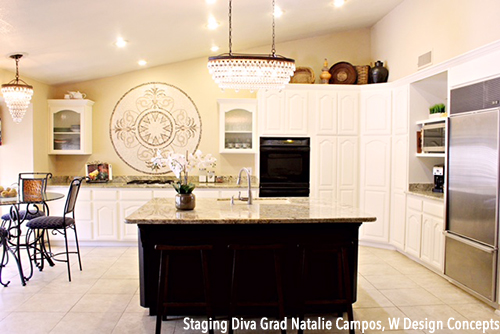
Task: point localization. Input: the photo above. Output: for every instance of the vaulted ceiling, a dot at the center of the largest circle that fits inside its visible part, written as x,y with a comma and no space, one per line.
70,41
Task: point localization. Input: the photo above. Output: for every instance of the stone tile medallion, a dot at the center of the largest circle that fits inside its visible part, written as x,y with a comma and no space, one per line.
154,116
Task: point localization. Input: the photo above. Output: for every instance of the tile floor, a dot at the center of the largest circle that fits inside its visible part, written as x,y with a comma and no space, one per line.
104,297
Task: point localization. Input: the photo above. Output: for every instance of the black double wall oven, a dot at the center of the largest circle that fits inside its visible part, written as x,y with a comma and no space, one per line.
284,167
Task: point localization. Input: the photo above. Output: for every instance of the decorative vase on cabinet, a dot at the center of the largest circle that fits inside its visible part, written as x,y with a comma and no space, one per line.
379,73
70,126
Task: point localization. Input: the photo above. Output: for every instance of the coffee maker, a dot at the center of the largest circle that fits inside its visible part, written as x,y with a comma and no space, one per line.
438,172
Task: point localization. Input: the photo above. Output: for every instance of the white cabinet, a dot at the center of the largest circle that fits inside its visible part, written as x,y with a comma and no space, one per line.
375,164
105,214
129,201
283,113
70,126
376,112
347,170
334,112
324,167
424,231
237,125
413,226
432,251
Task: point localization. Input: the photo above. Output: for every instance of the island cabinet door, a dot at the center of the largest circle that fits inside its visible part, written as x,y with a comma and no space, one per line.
105,212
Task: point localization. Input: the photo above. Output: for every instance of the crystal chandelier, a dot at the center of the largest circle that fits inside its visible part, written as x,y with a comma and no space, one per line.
250,71
17,94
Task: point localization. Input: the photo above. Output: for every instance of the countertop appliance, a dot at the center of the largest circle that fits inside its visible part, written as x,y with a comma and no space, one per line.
434,137
284,167
438,173
471,251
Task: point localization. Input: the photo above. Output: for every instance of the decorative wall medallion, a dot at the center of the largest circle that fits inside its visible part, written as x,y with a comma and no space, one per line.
154,116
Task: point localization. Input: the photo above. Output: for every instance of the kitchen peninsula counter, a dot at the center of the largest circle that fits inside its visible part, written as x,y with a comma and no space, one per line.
292,222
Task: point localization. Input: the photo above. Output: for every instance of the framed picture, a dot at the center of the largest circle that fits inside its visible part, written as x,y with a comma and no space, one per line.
99,172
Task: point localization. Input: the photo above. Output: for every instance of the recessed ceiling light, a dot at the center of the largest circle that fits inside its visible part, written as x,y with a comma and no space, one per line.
338,3
120,42
142,62
210,2
278,12
212,23
214,48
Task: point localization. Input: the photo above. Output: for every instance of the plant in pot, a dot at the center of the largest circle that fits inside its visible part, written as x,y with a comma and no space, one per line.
437,110
181,165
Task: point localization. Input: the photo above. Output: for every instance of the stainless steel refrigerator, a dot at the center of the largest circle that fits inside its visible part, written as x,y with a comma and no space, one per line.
472,191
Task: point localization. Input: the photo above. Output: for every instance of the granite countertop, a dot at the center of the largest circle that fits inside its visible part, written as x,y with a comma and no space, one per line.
262,211
424,190
121,182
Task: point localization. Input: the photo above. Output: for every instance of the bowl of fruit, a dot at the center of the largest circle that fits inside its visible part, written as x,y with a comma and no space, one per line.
8,192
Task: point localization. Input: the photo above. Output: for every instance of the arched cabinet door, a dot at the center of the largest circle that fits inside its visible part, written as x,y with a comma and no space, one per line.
70,126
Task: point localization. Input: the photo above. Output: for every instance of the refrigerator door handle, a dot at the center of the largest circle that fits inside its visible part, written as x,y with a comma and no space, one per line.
477,245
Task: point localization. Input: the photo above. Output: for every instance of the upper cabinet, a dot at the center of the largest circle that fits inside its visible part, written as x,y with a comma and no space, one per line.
70,126
335,111
283,113
238,118
376,111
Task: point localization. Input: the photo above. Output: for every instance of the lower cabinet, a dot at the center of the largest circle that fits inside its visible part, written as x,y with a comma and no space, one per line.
100,212
424,230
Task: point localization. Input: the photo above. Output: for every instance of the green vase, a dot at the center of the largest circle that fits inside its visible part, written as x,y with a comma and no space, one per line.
185,201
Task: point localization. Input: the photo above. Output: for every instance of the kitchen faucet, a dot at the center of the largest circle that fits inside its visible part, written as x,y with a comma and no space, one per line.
238,181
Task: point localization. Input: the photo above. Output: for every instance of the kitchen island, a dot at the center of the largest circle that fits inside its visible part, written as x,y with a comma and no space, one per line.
218,222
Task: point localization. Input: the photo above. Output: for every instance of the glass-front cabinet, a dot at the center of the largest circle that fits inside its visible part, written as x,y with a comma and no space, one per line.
70,126
238,125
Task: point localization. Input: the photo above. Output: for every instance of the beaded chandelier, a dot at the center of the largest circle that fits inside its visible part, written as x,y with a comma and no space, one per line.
250,71
17,94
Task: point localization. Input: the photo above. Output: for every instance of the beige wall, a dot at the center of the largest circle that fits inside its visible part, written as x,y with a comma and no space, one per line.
192,77
447,27
24,145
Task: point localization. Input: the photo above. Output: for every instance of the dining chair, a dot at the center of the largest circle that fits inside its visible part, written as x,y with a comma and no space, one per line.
60,225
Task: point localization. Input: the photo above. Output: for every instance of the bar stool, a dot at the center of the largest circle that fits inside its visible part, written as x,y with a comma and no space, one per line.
276,249
163,303
344,288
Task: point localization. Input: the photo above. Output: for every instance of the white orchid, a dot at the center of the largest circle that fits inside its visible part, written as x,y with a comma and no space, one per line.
181,165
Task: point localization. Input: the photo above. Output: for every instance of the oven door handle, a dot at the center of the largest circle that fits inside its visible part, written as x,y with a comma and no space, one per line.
277,149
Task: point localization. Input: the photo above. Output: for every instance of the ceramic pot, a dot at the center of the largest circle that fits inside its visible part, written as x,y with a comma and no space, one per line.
185,201
379,73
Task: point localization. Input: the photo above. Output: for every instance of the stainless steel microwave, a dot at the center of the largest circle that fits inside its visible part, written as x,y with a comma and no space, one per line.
434,137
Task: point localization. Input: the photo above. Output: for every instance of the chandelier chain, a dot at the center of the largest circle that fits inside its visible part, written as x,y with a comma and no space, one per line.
230,28
273,49
17,68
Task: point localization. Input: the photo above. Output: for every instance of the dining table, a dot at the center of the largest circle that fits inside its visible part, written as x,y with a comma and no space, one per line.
19,209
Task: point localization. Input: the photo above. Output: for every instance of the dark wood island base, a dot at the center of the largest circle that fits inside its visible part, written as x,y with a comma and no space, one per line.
186,276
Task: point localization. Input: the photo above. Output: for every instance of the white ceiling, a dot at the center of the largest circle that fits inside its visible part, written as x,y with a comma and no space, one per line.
71,41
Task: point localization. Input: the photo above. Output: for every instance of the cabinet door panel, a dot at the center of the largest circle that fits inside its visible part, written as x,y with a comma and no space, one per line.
296,107
348,113
376,203
376,112
348,170
326,113
400,110
105,218
413,232
399,170
376,161
128,231
271,113
323,166
398,220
